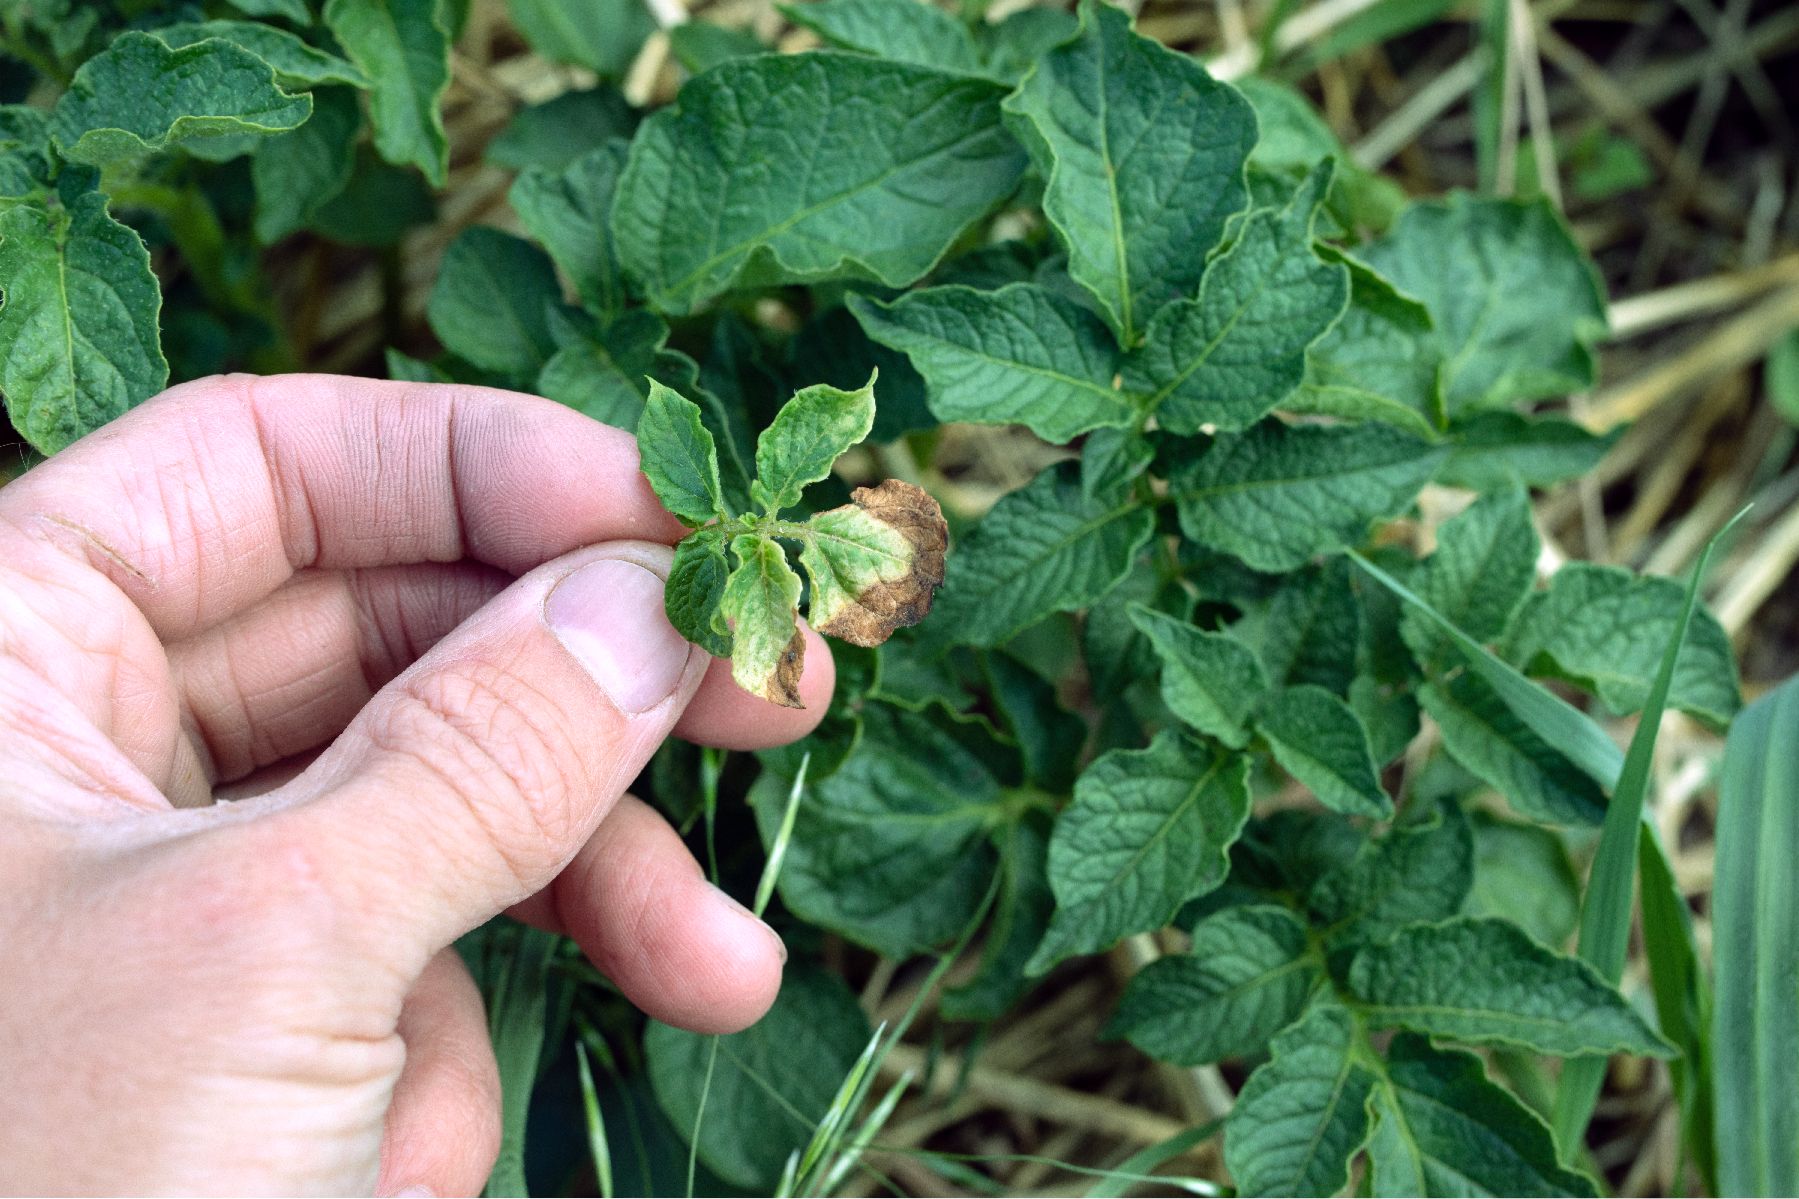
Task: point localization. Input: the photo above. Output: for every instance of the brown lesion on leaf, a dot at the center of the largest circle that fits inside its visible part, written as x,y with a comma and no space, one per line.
783,686
892,604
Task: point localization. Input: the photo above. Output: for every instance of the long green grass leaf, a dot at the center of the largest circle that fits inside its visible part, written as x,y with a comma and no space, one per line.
597,1144
1755,951
1132,1170
771,871
1682,999
1605,914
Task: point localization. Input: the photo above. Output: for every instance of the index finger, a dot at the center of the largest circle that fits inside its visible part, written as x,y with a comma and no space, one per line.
206,499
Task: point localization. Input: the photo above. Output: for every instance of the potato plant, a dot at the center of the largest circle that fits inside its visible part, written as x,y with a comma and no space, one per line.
1201,687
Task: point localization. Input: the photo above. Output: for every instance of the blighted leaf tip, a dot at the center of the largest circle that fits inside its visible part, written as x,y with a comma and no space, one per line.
876,563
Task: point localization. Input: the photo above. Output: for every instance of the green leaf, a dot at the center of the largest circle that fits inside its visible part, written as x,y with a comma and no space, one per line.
1279,494
679,457
377,207
1482,733
1606,629
1304,1113
1148,830
760,603
1295,137
1518,306
404,48
1014,45
491,302
1379,362
875,562
1043,548
553,134
1118,656
694,596
295,173
1484,566
700,45
901,30
1020,354
808,435
1246,976
1143,153
78,326
1485,982
513,963
1023,912
1310,629
1210,680
891,850
833,348
602,35
1443,1128
905,160
569,211
1319,740
1522,872
1113,459
1499,449
770,1084
139,96
24,151
1755,907
1780,377
604,370
1228,357
1417,871
288,10
296,64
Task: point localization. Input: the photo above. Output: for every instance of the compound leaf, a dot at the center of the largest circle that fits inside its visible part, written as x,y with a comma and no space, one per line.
1148,830
1246,976
1485,982
1021,354
1278,494
899,161
1144,154
1231,355
140,95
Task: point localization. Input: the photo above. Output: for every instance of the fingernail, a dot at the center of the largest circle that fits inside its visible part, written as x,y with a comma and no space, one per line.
725,898
609,615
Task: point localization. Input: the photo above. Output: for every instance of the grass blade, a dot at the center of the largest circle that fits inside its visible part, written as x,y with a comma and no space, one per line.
516,1017
596,1124
877,1119
1755,952
1682,999
1549,716
771,871
1131,1171
699,1115
1605,912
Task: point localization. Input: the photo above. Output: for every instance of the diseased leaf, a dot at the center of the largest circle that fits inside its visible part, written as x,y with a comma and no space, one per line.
1319,740
1418,871
808,435
694,596
874,563
1485,982
1279,494
570,211
1484,566
1518,306
78,323
1380,361
1044,548
1304,1113
1606,628
297,172
1210,680
679,457
760,604
491,302
1228,357
1246,976
602,35
1443,1128
891,850
903,160
404,48
1143,153
1483,734
769,1084
901,30
1148,830
1020,354
296,64
1495,449
139,96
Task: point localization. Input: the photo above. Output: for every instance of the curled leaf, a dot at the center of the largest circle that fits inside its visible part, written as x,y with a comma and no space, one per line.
875,563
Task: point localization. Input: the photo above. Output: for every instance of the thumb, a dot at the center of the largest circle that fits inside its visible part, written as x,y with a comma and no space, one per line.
472,779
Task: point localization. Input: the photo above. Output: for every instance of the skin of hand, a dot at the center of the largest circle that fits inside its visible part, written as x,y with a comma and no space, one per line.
415,632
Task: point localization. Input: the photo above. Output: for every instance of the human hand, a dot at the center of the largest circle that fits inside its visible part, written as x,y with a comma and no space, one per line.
456,594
